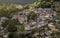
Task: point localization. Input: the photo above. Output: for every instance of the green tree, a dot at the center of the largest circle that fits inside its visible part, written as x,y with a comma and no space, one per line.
26,6
7,10
44,3
11,35
21,27
32,16
12,26
5,24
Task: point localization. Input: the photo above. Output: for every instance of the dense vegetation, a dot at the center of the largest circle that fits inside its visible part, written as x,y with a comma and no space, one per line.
6,10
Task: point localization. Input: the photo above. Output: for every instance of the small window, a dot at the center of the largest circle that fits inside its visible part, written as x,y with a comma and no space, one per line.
53,6
20,14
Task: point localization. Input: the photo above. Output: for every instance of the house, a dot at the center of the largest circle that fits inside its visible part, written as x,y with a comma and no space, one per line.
27,27
56,5
22,18
5,36
52,27
3,19
24,12
19,6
